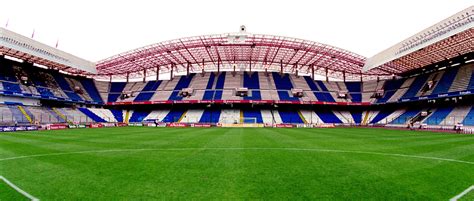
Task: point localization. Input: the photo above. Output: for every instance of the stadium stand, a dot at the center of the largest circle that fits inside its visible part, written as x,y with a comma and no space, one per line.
290,116
439,115
469,119
327,116
252,82
210,116
205,89
406,116
184,82
221,87
250,114
92,115
175,115
356,116
115,91
283,85
354,89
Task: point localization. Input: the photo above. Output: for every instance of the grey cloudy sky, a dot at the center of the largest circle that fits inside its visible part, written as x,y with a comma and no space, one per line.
95,29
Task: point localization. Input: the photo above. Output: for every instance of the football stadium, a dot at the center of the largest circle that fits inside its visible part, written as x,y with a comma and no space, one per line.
241,116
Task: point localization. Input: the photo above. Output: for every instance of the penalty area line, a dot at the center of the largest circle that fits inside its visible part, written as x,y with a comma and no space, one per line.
18,189
241,148
465,192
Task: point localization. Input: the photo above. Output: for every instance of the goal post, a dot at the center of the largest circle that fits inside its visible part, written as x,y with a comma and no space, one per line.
248,120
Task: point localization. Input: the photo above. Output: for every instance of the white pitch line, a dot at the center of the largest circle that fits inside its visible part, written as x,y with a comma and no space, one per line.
241,148
457,197
18,189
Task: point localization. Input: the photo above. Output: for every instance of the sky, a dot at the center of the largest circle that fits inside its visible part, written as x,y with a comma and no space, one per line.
95,30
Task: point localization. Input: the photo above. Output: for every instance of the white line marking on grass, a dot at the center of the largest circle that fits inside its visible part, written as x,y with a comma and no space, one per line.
241,148
457,197
18,189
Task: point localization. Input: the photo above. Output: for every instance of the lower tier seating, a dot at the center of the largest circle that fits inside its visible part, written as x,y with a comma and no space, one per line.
12,113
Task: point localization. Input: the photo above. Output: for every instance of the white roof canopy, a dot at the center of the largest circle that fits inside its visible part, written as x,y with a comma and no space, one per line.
19,46
460,23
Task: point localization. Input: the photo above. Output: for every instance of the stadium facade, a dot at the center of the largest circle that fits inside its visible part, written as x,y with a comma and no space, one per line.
244,79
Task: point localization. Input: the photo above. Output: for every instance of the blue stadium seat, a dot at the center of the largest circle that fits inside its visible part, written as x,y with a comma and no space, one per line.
469,119
324,96
415,87
446,81
64,85
251,81
210,82
45,92
354,89
384,113
282,82
174,115
116,89
208,95
390,87
210,116
138,116
283,85
218,95
311,83
10,87
118,114
252,113
322,86
290,116
91,115
354,86
183,82
148,91
91,89
327,116
471,82
439,115
254,95
220,81
403,119
357,116
285,95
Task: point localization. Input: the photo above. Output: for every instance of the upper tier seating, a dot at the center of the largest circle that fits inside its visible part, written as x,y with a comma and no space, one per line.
115,91
53,85
183,82
283,85
273,86
354,89
148,91
446,81
252,82
25,80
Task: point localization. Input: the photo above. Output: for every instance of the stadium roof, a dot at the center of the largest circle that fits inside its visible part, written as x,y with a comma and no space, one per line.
32,51
240,50
445,40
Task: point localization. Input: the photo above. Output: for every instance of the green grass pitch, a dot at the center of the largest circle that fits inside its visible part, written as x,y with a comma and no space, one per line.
139,163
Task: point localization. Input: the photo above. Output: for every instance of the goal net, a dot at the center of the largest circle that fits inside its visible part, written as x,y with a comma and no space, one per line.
248,120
